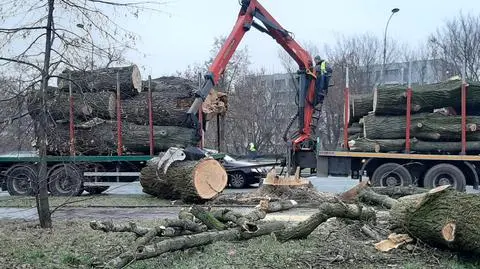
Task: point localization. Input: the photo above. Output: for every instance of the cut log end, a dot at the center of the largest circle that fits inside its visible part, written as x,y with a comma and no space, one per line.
136,78
210,178
448,231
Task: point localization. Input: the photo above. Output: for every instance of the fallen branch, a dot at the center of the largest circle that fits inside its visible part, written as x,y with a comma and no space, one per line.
207,218
195,240
326,211
109,226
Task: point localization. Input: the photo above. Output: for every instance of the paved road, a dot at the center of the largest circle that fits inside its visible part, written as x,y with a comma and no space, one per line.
322,184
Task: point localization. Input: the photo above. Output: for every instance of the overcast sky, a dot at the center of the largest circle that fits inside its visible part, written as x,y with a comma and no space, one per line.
184,34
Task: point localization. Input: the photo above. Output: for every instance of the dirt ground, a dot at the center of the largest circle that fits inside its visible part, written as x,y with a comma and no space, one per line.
334,244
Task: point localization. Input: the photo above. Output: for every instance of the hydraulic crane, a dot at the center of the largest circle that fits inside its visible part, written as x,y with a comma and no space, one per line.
301,145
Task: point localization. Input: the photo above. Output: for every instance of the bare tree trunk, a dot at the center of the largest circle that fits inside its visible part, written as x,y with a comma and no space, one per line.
43,207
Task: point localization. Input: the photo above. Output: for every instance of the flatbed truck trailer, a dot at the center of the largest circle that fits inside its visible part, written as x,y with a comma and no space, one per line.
70,175
405,168
400,169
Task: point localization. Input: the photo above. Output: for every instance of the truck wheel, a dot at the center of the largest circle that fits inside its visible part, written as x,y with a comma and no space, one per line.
238,180
20,180
390,175
445,174
96,189
65,180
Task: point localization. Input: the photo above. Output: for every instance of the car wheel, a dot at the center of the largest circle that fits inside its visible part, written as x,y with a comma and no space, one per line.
238,180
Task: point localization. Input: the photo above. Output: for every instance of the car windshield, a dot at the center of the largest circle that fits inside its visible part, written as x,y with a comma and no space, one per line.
228,158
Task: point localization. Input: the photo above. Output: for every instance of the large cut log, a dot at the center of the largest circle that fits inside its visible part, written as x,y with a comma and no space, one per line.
191,181
361,104
391,100
104,79
101,138
169,108
398,145
442,217
86,105
425,126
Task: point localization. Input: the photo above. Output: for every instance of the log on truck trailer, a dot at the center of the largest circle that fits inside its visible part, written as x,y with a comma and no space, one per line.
438,152
105,79
392,100
100,138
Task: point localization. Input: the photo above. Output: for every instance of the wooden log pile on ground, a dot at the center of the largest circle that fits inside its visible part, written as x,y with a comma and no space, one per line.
379,122
95,100
441,218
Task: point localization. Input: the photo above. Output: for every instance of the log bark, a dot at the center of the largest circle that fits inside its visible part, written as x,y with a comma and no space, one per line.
381,145
398,191
104,79
101,138
169,108
391,100
184,242
398,145
441,217
326,211
86,106
207,218
433,127
191,181
361,105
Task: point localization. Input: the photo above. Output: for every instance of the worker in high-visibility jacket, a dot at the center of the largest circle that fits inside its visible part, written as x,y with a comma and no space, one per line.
324,73
252,151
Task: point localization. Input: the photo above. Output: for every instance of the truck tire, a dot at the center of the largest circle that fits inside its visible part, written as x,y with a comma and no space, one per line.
65,180
443,174
20,180
96,189
390,175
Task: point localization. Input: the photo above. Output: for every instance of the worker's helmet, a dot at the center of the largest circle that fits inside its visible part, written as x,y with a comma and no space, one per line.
317,59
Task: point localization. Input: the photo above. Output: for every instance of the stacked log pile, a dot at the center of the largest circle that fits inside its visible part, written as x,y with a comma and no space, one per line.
378,121
94,95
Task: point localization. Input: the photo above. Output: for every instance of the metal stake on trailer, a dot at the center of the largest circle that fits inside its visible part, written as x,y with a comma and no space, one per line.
150,116
71,126
119,118
346,111
464,113
200,115
409,110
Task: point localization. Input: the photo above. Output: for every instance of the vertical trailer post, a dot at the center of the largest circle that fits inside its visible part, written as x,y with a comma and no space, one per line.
119,118
200,115
150,116
409,110
71,126
464,114
346,111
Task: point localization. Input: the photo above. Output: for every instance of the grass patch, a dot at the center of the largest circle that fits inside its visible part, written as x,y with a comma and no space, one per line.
72,244
107,200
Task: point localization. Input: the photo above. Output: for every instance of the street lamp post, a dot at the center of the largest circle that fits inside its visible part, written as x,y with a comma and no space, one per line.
395,10
81,26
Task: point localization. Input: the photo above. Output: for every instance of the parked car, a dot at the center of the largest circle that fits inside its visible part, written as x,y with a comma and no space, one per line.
240,174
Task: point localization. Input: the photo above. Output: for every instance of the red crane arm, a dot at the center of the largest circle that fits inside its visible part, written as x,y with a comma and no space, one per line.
253,9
